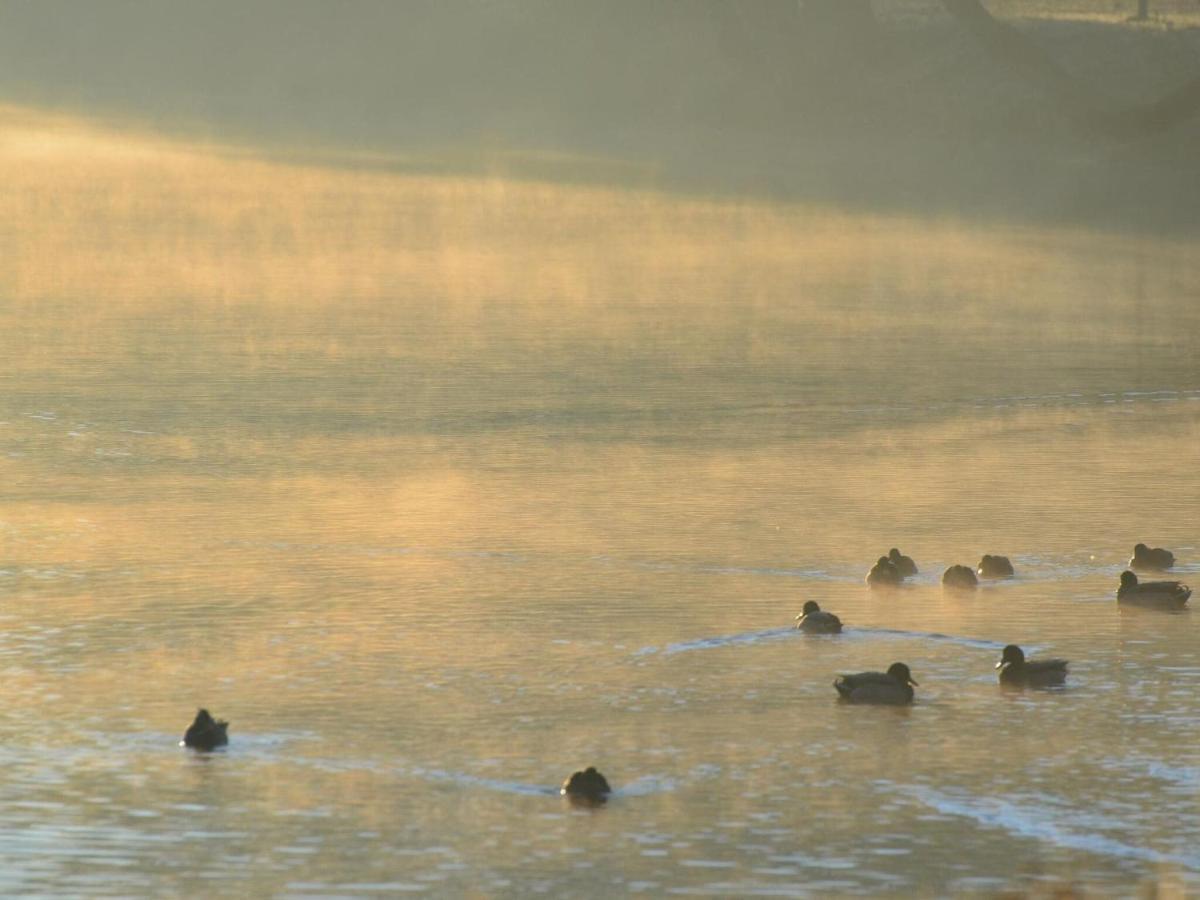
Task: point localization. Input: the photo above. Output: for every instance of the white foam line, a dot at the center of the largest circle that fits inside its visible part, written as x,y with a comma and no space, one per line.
494,784
647,785
932,636
748,637
1180,777
1031,822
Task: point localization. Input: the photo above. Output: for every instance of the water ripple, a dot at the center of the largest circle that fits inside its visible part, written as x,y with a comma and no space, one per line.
1060,825
777,634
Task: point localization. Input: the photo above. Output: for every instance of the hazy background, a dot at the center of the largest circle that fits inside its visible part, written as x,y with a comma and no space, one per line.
757,95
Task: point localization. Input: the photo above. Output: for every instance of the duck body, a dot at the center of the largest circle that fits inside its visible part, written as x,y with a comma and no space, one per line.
904,564
586,788
1151,559
884,574
960,578
206,733
1017,671
1155,594
994,567
815,620
890,688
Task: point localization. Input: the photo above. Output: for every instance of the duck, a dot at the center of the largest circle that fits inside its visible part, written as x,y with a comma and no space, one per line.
884,574
1151,559
815,620
891,688
206,733
1159,594
994,567
586,788
904,564
960,578
1017,671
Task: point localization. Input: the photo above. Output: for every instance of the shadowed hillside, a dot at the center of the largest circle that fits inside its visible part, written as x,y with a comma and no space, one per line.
710,95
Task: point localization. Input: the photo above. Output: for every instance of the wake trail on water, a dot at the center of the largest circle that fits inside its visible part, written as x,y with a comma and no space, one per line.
1073,830
778,634
644,786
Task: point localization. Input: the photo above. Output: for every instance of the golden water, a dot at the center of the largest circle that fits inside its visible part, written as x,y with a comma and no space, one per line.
440,488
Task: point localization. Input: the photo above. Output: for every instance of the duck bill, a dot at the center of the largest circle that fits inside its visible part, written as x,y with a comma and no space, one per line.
914,682
1000,665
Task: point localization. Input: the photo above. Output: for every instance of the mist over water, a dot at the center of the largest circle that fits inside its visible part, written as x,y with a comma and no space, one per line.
441,485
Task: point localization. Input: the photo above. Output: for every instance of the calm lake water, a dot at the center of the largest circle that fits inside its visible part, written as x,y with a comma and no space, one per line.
439,489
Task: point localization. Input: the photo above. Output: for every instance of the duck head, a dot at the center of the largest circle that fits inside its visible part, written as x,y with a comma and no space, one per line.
900,672
203,719
1011,654
1128,579
811,607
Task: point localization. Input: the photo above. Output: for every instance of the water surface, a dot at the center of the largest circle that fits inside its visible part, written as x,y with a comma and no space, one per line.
441,488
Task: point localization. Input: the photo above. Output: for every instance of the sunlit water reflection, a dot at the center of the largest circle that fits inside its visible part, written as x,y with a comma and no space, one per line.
441,489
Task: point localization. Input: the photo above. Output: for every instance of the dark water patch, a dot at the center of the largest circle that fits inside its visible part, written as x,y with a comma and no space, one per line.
1027,401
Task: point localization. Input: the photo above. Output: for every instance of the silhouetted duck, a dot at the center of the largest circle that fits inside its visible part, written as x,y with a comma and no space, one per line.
904,564
893,688
995,567
884,574
815,620
1158,594
960,578
1017,671
586,788
1151,559
206,733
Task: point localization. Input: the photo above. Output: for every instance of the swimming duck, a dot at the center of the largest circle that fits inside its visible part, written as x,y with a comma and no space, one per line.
586,788
995,567
904,564
893,688
206,733
1016,671
1151,559
1160,594
815,620
884,574
960,578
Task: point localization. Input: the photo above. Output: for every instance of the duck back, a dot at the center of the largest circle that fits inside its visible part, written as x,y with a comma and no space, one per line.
994,567
1034,673
1151,559
820,622
1153,594
873,687
206,733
